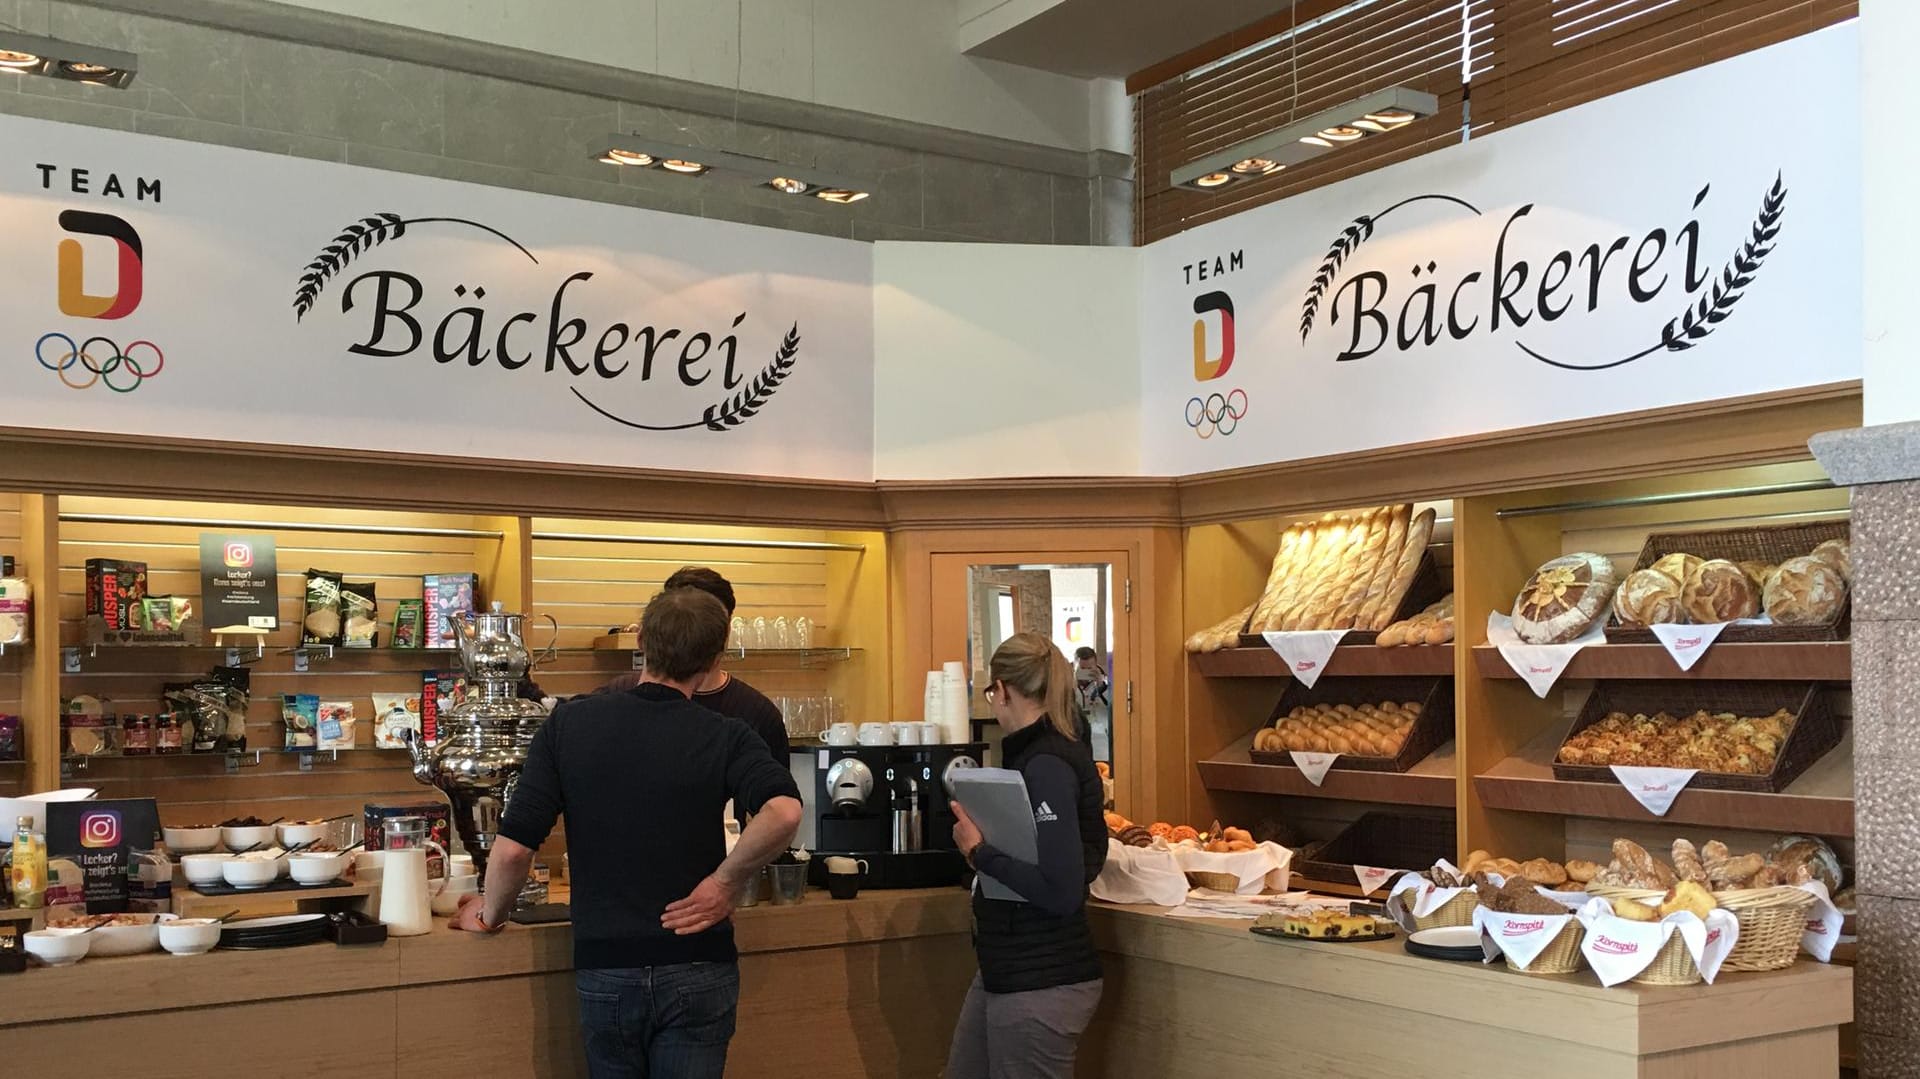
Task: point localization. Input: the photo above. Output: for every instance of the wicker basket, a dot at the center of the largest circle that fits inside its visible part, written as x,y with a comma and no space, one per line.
1815,729
1672,965
1772,544
1219,882
1455,911
1433,729
1384,840
1428,587
1560,957
1772,921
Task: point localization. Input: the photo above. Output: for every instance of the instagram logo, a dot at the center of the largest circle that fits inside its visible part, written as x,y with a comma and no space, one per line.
239,555
100,829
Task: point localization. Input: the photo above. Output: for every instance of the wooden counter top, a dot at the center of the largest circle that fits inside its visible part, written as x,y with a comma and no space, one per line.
161,982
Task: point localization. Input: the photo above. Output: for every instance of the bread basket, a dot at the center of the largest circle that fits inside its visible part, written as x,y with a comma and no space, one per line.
1219,882
1672,965
1562,956
1455,911
1772,921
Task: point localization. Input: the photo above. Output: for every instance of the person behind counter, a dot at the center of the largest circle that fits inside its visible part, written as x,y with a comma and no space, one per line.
656,968
1039,975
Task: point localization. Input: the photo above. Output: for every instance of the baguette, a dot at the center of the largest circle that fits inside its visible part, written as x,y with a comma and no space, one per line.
1221,634
1384,556
1329,530
1357,574
1331,582
1418,533
1286,564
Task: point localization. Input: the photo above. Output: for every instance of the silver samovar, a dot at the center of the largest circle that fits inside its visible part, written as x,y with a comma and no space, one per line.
483,740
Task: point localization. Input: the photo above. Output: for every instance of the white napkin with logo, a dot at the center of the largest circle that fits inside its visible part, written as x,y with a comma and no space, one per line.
1140,875
1619,949
1823,923
1521,937
1541,665
1306,651
1313,765
1371,878
1414,896
1654,788
1687,643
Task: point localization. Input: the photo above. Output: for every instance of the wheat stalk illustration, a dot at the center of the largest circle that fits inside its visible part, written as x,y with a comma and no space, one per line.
741,407
1715,304
361,236
1355,235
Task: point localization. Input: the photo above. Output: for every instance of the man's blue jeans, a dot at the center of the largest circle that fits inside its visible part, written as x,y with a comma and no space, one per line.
669,1022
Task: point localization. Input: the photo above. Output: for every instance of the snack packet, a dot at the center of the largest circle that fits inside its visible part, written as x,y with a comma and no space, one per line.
359,614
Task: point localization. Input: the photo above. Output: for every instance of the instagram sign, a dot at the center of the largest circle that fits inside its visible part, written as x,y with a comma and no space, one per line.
100,828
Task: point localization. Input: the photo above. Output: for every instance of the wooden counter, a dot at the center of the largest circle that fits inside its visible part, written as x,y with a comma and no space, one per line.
867,987
1205,998
871,988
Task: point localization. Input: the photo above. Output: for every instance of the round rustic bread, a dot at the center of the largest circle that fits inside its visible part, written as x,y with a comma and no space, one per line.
1838,554
1805,592
1720,591
1648,596
1759,573
1679,566
1563,597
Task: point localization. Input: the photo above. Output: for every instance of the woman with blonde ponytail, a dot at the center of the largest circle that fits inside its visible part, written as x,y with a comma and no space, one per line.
1039,975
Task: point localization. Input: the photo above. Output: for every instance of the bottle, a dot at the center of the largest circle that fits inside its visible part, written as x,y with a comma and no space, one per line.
29,874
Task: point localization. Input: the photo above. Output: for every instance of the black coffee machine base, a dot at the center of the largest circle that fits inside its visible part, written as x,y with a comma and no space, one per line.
910,869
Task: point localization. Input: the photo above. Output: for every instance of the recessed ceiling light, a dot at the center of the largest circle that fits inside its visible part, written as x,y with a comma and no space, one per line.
628,157
1213,179
840,195
14,60
27,54
1306,138
1342,133
683,166
1257,166
789,186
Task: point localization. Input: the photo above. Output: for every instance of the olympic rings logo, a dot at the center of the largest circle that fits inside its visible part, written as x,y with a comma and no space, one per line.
1218,412
102,364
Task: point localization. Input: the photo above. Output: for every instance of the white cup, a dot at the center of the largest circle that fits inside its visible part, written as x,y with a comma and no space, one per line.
905,734
875,734
931,735
840,734
460,865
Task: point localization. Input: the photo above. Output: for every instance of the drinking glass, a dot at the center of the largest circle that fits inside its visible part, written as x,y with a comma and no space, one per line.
782,633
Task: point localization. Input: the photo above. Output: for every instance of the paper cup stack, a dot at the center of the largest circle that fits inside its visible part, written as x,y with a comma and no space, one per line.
954,711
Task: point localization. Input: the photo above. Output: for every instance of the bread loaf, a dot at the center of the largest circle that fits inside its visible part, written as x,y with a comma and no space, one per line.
1330,574
1679,566
1563,597
1295,541
1221,634
1646,597
1719,591
1805,592
1419,531
1838,554
1329,533
1382,554
1759,573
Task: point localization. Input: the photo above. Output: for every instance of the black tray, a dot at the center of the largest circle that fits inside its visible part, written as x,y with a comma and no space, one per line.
353,927
287,885
1263,931
1452,955
542,913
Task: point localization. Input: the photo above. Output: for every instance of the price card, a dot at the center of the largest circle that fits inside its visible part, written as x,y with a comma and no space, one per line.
299,661
1313,765
69,661
1371,878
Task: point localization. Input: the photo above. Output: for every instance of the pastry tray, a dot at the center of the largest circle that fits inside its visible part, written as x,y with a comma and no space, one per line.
1381,840
1428,588
1815,729
1275,934
1772,544
286,884
1433,729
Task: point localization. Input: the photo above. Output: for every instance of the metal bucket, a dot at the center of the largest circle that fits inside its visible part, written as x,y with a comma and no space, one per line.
789,883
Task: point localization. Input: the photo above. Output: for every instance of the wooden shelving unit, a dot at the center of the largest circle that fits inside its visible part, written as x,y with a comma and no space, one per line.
1818,661
1348,661
1820,802
1428,783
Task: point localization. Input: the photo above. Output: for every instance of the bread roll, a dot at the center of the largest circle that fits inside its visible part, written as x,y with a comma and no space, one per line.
1720,591
1805,592
1646,597
1379,610
1838,554
1563,597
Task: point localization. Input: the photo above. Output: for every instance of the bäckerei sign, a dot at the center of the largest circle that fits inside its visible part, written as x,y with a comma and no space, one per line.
173,289
1689,240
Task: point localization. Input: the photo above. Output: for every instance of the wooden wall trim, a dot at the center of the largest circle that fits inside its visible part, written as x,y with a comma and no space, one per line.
1712,434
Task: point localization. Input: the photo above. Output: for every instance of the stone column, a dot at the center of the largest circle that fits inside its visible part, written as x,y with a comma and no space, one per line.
1882,465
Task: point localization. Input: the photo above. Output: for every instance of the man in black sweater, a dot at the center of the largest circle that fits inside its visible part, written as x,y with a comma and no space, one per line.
653,889
720,690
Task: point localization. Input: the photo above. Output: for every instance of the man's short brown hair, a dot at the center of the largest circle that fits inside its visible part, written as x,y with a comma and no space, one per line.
683,631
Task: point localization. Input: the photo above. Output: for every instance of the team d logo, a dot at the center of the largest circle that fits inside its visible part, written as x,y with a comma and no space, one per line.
84,359
1218,410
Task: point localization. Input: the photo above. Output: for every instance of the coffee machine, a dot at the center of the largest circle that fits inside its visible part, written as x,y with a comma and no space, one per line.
888,806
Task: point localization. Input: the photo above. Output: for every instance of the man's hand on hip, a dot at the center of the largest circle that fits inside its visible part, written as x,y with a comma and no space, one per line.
710,904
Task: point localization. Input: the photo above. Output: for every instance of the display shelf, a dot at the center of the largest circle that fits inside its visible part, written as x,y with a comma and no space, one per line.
1812,661
272,659
1428,783
1820,802
1348,660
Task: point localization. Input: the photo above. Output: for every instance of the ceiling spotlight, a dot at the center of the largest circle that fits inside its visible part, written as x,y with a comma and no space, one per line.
719,165
788,186
28,55
841,195
635,158
683,166
1266,154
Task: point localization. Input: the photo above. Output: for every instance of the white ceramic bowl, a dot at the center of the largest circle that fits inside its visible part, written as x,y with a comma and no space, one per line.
296,834
189,936
249,873
191,840
127,939
315,868
204,868
58,947
239,839
448,900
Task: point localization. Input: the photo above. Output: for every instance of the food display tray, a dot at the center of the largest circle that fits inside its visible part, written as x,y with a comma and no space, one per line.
1429,587
1815,730
1433,729
1772,544
1380,840
287,884
1275,934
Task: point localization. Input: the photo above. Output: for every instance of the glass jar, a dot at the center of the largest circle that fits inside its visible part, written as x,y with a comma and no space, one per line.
166,734
139,736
